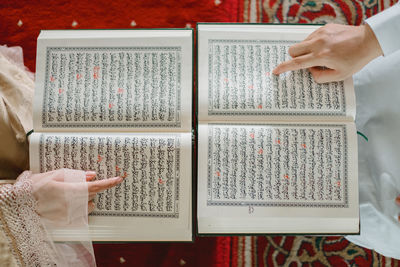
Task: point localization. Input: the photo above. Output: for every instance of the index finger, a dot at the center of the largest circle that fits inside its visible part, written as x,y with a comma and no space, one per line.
297,63
101,185
300,49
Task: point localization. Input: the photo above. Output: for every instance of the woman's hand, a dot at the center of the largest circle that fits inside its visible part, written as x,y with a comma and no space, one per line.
333,52
95,187
56,190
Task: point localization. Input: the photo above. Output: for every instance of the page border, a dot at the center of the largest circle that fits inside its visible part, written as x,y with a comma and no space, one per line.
345,203
102,124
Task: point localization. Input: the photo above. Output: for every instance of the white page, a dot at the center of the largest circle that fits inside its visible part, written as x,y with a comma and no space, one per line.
113,80
235,80
252,174
153,202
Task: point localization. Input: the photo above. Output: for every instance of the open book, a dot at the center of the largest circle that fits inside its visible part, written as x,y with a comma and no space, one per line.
118,102
276,154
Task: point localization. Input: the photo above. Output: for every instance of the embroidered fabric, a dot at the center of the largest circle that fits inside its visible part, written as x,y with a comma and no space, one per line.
22,225
39,204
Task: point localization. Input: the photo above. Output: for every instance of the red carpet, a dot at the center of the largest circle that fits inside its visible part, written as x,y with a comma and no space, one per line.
20,23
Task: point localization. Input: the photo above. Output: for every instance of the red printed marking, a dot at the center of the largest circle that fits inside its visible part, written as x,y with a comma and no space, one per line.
99,158
52,79
303,145
251,86
286,176
260,106
218,174
226,80
120,90
60,91
338,183
125,175
110,105
278,141
160,181
252,135
78,76
96,72
260,151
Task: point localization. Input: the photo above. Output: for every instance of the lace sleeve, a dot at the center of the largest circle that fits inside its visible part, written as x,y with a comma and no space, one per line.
22,226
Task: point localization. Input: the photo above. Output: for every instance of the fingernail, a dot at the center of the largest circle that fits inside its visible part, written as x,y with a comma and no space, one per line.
118,179
398,200
91,173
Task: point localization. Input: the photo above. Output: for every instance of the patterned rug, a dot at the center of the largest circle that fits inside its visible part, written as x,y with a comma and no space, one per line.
20,24
302,251
352,12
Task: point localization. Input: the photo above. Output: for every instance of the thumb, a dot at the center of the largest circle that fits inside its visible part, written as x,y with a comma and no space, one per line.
324,75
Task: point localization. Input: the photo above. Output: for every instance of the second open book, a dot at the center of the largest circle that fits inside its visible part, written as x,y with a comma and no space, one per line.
275,154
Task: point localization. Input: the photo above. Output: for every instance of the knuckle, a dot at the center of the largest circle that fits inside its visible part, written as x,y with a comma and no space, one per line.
321,31
326,29
291,50
323,53
320,41
55,187
297,61
60,173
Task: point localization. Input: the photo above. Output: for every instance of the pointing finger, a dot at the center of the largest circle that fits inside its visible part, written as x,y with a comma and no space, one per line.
101,185
297,63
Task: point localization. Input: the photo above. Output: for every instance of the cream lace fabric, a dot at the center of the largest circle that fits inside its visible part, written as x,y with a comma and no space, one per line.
6,258
22,226
39,204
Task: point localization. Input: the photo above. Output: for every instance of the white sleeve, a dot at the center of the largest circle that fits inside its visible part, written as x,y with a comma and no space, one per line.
386,26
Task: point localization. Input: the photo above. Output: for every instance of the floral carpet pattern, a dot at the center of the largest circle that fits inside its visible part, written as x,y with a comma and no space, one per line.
352,12
308,251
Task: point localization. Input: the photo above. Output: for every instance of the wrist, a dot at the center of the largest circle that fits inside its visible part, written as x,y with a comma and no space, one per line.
373,48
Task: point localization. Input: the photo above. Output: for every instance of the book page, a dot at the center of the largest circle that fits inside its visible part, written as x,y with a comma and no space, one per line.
257,171
114,80
236,80
157,180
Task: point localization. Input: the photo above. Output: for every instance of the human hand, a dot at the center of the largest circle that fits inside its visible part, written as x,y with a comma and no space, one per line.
333,52
56,190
